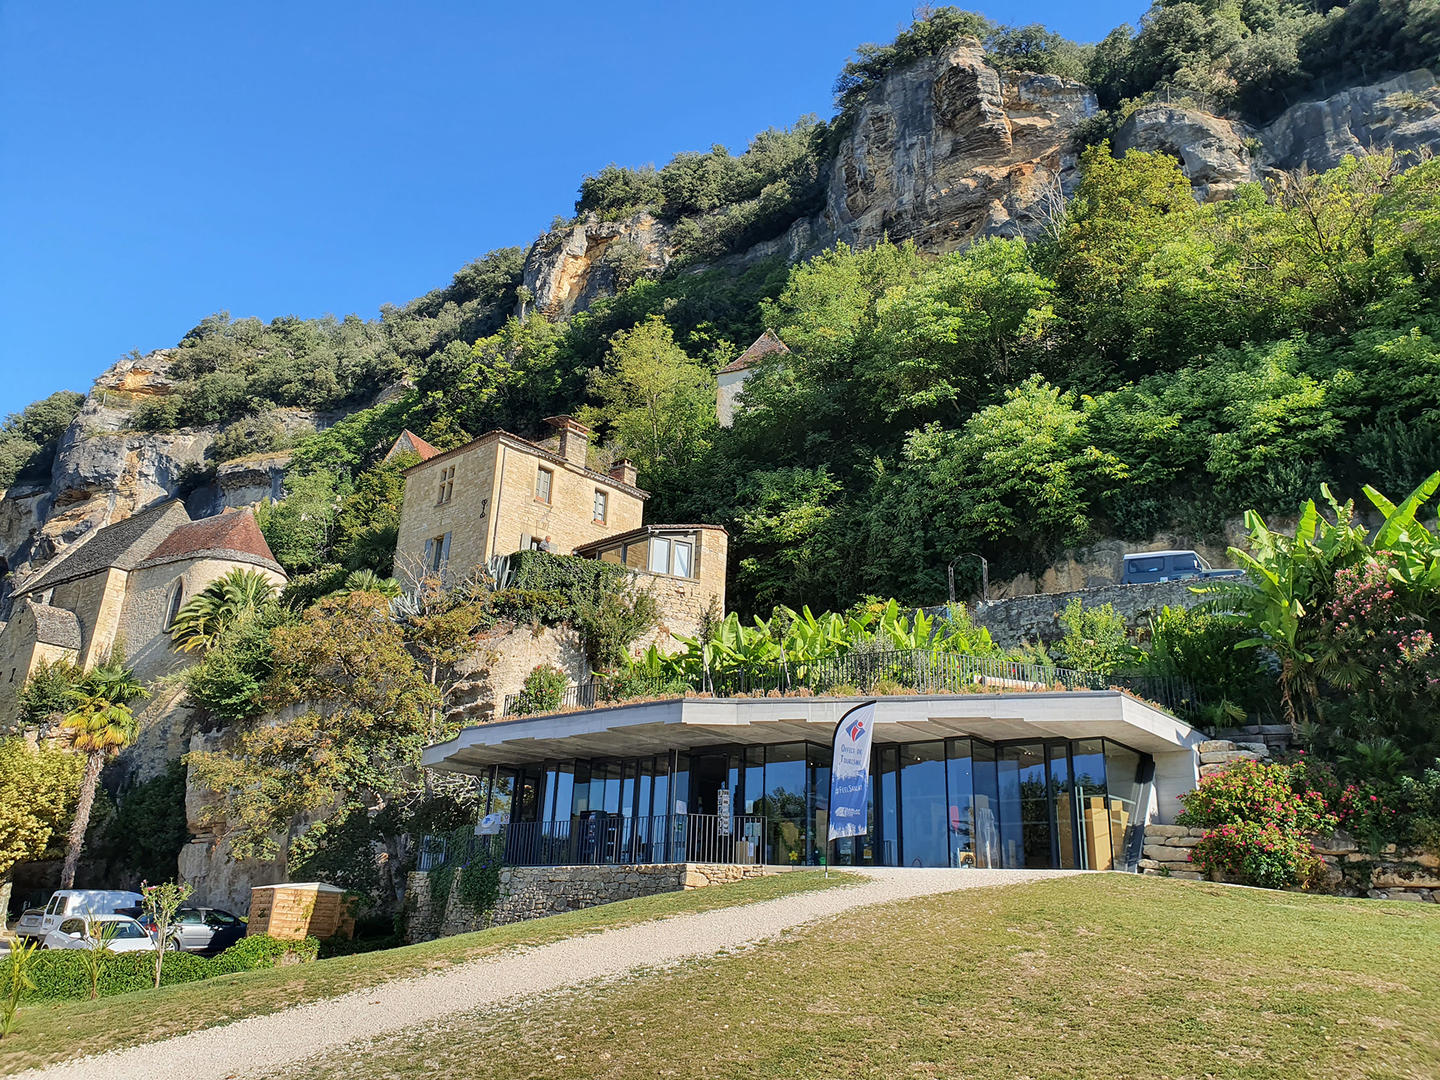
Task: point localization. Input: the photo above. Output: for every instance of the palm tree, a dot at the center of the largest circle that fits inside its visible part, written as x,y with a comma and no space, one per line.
100,724
218,606
369,581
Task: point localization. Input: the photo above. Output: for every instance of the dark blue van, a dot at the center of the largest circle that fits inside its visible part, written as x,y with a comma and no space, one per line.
1143,566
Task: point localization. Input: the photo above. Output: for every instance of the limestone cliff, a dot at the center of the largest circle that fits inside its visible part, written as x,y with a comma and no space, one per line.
950,150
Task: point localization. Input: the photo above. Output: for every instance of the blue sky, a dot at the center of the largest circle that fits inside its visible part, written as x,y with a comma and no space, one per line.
162,161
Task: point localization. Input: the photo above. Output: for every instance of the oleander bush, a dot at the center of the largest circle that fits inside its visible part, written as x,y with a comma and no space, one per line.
1259,827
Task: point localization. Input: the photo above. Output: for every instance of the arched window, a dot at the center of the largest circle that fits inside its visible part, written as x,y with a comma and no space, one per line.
177,599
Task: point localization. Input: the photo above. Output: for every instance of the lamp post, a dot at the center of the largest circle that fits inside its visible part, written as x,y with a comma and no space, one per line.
984,574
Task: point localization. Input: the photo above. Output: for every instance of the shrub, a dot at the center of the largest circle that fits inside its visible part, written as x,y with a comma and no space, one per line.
263,951
544,688
61,975
1259,828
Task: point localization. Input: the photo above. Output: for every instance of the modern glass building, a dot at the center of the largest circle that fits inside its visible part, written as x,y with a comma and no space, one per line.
987,780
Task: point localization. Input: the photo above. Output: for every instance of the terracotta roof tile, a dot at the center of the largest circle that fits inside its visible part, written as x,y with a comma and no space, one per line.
764,345
408,440
229,534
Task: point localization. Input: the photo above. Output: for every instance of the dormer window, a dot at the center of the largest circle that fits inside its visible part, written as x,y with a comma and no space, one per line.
447,485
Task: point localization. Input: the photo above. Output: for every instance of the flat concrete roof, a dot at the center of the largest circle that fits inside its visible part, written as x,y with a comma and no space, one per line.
687,723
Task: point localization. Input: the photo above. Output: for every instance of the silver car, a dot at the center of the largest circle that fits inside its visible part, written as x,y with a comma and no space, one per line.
204,930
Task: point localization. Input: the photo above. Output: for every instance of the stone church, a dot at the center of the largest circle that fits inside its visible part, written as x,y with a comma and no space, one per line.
124,583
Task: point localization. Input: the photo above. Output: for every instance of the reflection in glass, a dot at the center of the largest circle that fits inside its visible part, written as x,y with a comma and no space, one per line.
987,804
960,786
1088,758
1024,806
785,803
1127,773
924,828
889,831
1064,812
819,767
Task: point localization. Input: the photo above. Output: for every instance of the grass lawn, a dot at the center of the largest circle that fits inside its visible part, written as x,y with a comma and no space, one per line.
1093,977
45,1034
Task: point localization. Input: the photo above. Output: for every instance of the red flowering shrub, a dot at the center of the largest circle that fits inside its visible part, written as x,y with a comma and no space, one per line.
1259,829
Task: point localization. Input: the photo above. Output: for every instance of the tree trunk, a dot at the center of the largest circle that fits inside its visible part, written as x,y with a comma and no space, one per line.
5,887
83,806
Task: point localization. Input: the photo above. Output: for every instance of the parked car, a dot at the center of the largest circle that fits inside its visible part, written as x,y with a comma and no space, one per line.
36,923
79,932
1148,566
201,929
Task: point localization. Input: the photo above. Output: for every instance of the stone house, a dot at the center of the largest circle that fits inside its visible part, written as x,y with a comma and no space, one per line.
500,494
730,379
124,582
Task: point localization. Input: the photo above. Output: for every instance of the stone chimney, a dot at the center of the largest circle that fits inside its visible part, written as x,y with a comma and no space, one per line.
624,471
574,438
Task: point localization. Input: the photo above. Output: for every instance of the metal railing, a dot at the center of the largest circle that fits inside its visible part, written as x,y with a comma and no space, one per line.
582,696
924,671
606,840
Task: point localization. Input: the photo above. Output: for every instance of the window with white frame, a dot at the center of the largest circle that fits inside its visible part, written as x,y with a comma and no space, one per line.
659,555
672,556
681,559
602,505
447,485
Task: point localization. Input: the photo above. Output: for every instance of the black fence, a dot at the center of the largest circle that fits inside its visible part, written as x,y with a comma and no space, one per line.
903,671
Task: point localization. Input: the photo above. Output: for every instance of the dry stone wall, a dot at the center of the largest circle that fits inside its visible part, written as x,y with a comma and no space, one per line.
1390,874
532,892
1037,617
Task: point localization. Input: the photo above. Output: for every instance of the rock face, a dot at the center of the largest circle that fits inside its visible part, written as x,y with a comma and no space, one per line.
566,269
949,151
1402,113
1214,153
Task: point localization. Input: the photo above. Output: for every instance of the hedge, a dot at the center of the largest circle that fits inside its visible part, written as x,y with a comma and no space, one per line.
573,577
60,974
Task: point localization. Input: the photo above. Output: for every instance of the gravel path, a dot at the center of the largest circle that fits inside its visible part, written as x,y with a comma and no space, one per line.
260,1045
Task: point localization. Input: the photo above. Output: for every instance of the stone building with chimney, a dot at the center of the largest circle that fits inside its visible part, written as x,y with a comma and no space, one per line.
500,494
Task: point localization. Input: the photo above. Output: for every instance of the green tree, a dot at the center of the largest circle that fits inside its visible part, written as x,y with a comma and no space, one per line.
38,791
99,725
659,403
368,711
300,527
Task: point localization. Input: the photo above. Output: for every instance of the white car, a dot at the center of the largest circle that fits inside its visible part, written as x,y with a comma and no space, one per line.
37,923
78,933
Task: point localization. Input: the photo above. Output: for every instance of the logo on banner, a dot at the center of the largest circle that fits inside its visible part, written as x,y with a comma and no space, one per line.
850,772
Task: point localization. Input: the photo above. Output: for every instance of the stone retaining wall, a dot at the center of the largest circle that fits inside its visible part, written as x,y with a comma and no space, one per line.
1389,875
532,892
1037,617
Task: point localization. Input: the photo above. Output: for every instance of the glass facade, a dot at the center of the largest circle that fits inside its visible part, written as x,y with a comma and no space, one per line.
943,802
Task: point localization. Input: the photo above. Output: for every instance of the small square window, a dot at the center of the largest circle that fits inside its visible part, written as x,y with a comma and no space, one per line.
602,503
544,481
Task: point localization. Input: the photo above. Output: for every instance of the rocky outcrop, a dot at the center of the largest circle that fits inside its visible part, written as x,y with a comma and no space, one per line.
1215,153
566,269
950,151
1402,113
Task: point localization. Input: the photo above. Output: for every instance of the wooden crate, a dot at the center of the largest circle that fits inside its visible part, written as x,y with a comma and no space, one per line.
292,912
